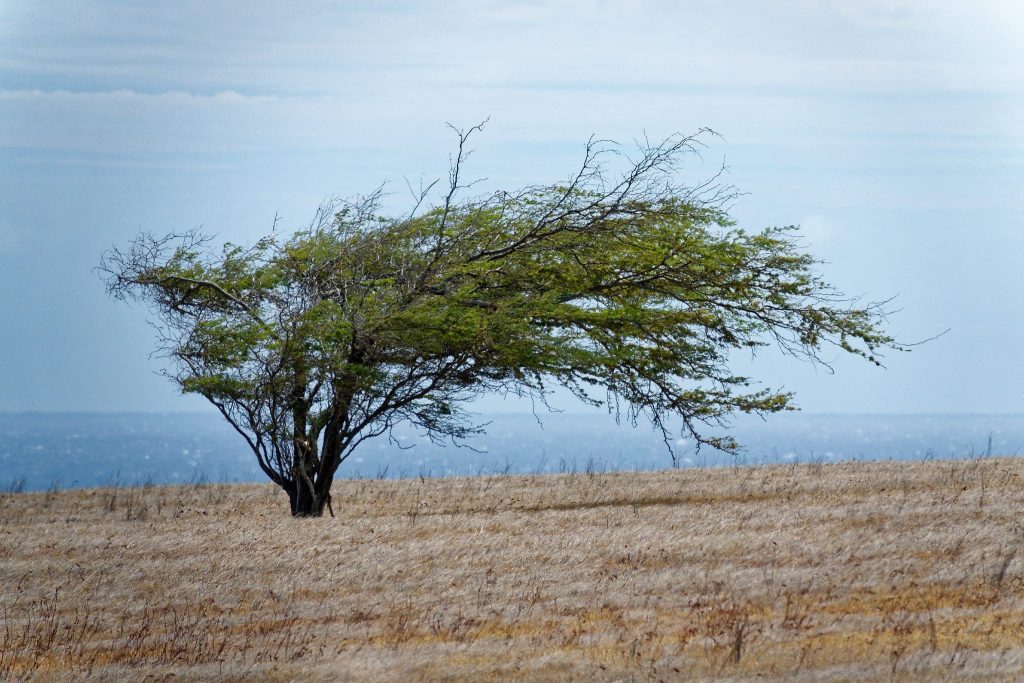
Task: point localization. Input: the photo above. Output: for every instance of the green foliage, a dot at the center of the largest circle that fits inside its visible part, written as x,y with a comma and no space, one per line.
630,293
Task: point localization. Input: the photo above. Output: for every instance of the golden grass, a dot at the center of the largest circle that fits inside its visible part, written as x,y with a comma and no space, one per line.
890,571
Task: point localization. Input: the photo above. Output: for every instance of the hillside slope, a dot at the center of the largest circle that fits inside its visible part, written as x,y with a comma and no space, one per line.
909,571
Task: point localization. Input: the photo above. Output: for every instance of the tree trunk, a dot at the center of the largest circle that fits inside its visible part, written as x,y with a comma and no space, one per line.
309,490
306,503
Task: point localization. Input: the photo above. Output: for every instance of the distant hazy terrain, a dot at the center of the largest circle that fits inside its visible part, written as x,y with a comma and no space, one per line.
882,571
43,450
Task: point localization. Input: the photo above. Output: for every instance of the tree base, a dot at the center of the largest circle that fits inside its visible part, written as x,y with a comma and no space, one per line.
308,505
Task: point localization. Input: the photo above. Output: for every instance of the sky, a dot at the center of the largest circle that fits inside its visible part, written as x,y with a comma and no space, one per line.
892,132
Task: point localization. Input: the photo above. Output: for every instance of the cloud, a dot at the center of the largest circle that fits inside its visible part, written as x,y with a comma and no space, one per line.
321,49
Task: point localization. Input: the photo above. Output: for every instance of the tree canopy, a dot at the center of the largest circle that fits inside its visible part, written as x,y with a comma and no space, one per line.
630,289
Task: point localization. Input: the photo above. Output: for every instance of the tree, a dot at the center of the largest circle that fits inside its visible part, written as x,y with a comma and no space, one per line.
629,284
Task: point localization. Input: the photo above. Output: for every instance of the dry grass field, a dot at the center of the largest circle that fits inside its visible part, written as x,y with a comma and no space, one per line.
886,571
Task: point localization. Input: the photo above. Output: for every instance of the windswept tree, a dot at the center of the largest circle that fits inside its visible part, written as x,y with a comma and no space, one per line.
629,288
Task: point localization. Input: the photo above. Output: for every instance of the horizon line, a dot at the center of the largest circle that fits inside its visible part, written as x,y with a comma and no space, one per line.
567,413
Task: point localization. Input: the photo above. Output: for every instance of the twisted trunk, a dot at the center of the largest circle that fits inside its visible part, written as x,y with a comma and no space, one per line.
309,490
308,503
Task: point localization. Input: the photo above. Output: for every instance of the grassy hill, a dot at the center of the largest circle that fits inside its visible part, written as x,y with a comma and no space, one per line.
908,571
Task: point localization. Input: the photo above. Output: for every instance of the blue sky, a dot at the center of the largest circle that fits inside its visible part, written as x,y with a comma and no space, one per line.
892,132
